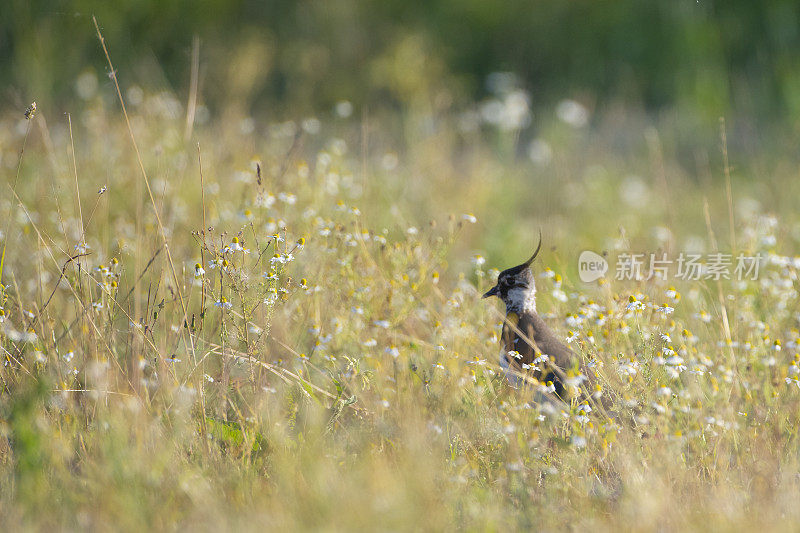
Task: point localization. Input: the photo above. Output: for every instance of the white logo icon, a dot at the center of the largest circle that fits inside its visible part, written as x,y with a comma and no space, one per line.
591,266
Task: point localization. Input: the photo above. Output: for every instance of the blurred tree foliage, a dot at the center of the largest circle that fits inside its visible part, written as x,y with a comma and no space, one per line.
706,56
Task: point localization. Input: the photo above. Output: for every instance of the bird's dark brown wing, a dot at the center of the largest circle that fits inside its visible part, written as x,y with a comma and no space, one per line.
528,335
547,341
519,334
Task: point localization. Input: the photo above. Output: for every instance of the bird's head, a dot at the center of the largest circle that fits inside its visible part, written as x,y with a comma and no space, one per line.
516,287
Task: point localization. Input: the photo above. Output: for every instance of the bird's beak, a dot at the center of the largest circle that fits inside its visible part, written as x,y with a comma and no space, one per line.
491,292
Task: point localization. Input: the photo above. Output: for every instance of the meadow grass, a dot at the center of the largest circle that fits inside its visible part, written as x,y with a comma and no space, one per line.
286,331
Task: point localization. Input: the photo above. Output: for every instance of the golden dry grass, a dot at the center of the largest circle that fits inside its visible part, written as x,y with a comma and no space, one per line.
317,356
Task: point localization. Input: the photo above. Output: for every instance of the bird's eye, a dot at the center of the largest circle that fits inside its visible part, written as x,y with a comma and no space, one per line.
505,281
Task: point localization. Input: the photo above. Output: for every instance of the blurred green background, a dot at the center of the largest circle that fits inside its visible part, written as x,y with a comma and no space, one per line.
704,58
555,93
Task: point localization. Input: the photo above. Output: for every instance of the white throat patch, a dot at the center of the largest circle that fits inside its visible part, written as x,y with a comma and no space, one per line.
520,299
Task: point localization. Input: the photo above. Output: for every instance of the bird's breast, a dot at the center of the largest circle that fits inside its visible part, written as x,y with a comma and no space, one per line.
512,318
